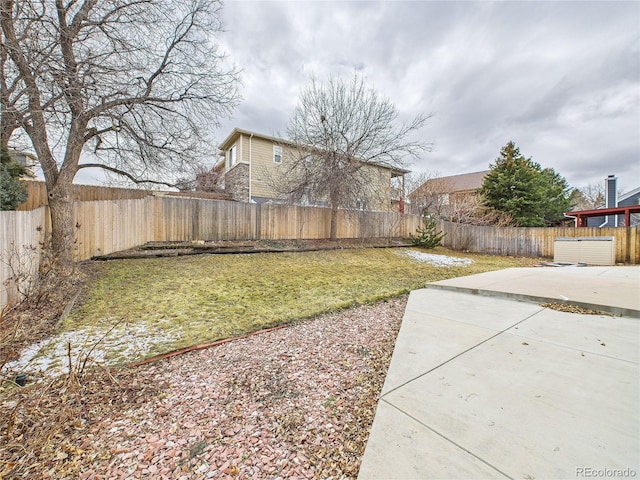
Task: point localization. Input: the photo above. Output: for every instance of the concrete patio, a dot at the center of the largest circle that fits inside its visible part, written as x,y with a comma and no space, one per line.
486,383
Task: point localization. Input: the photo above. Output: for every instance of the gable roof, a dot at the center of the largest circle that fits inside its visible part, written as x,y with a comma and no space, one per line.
236,132
455,183
629,194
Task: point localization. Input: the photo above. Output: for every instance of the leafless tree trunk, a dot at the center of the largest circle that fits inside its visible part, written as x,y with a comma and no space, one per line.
341,132
129,86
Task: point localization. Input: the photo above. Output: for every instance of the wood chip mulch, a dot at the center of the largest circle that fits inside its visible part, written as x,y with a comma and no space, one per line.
297,402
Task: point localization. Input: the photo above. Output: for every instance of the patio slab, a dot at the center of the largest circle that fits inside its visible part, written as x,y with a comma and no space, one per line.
489,386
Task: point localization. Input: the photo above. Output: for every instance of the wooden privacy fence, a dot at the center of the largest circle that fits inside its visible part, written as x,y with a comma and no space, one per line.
37,194
21,234
103,227
534,242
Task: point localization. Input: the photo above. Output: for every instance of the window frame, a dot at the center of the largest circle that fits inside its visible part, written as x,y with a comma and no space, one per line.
232,157
277,157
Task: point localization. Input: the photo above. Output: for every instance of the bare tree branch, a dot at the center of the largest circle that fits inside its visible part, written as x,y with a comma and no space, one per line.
349,142
135,85
135,180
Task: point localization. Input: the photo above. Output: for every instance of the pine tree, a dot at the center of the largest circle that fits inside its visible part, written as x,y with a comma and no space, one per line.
518,186
427,235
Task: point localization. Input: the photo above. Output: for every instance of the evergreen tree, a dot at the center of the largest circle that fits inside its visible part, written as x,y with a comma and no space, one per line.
427,235
517,186
557,193
12,192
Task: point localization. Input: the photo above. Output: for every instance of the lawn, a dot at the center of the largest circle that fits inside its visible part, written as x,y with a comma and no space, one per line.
160,304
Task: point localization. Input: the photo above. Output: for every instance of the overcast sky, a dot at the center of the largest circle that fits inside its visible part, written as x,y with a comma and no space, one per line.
560,79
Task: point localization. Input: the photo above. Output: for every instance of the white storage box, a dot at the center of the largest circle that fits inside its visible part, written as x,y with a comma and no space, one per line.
589,250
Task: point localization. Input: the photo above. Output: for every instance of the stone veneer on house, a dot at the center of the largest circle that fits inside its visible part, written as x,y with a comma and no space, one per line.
236,182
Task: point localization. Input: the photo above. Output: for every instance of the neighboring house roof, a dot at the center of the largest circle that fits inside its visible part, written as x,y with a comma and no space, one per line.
233,136
455,183
633,194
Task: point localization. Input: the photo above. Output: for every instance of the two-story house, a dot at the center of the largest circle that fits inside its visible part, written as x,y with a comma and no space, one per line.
254,164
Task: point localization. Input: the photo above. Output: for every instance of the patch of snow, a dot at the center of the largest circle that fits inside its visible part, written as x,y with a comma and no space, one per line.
26,356
437,260
125,343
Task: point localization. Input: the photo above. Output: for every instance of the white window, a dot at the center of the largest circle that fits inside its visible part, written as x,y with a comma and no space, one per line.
277,154
232,156
443,199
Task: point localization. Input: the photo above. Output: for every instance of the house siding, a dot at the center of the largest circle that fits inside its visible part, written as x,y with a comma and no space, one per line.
254,174
631,201
264,172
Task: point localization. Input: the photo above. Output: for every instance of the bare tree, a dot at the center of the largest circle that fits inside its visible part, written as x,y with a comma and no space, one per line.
433,195
339,132
8,121
588,198
429,193
210,179
134,85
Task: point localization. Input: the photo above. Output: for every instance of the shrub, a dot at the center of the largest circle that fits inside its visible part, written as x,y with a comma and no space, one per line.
427,235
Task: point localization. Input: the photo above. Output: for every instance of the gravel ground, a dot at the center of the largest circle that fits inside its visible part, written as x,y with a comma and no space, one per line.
297,402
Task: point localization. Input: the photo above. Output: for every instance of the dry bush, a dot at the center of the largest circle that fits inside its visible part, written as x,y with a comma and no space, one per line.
43,426
44,294
34,417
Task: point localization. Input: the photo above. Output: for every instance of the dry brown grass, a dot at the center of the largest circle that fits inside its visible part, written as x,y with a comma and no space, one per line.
171,303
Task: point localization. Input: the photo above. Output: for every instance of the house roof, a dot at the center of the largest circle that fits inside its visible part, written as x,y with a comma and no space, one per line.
236,132
455,183
629,194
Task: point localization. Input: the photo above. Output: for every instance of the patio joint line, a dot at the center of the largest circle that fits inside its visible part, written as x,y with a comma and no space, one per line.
460,354
444,437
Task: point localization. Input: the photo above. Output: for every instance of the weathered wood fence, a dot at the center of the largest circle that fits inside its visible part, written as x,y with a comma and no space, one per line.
534,242
104,227
37,194
21,234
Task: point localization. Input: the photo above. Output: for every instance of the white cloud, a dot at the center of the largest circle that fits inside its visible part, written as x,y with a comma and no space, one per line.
561,79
